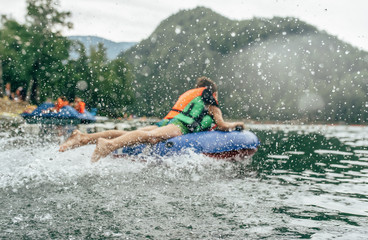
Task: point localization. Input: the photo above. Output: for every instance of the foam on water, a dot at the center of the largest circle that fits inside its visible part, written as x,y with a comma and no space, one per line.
325,151
304,182
36,164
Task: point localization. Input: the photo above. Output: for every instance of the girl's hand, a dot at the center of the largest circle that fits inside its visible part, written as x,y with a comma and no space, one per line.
238,126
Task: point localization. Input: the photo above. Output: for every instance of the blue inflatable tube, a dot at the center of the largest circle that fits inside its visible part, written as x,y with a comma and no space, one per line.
66,115
217,144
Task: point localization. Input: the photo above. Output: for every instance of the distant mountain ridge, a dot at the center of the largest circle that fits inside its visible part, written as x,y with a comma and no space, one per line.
113,49
266,69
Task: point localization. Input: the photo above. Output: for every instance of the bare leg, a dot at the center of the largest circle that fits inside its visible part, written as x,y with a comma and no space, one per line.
78,139
148,128
104,146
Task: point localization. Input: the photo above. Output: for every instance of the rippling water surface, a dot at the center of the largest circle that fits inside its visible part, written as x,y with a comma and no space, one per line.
304,182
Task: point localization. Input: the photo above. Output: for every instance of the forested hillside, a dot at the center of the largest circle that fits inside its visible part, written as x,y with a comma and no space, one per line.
267,69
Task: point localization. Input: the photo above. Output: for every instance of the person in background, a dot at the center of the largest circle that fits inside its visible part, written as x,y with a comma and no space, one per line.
79,105
8,92
59,104
196,110
20,94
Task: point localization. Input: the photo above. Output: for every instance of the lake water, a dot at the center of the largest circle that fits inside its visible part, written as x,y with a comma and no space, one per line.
304,182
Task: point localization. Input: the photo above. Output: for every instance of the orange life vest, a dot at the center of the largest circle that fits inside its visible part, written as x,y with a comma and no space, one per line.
60,104
184,100
82,107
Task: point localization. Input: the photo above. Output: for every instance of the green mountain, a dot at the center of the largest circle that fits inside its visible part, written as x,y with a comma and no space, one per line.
113,49
266,69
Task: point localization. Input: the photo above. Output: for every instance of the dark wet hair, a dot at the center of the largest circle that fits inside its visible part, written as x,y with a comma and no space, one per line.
206,82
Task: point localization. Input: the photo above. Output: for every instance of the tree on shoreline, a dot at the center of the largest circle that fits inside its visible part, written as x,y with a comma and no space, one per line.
47,47
36,56
12,52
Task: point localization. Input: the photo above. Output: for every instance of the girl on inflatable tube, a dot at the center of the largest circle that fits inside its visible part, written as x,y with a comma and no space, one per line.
196,110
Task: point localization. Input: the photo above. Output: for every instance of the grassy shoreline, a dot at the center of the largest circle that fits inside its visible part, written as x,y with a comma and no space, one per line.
10,108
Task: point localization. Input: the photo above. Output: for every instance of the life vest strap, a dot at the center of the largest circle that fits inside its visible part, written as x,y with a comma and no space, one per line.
196,121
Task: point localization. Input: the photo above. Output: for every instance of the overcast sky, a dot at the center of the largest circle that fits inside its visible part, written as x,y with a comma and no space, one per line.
134,20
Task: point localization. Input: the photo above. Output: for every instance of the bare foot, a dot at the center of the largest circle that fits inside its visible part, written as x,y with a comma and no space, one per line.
75,140
103,148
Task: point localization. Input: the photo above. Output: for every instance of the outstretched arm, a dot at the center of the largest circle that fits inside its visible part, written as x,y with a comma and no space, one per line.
221,124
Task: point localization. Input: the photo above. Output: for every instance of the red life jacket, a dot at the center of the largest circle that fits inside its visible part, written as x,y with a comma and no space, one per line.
60,104
82,107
